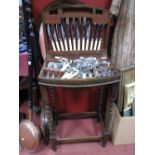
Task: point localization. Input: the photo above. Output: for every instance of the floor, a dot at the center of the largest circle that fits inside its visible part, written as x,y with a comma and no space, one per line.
85,149
81,127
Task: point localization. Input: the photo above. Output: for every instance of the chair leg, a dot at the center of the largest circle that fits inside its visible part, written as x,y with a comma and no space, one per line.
105,138
108,115
52,125
53,144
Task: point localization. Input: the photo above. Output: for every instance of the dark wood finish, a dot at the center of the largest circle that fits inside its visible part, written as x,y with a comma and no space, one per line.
77,115
107,33
64,12
111,98
79,139
47,18
75,54
99,22
78,82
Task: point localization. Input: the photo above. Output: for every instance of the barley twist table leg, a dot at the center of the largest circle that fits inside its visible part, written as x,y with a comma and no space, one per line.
100,105
112,95
53,119
53,100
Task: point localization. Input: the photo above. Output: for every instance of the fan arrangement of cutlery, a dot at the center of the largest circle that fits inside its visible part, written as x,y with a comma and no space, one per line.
74,34
76,43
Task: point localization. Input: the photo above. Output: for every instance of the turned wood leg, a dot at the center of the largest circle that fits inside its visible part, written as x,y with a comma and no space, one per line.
112,95
53,143
52,131
53,119
101,112
108,116
53,100
100,105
